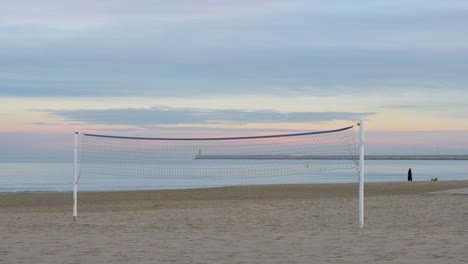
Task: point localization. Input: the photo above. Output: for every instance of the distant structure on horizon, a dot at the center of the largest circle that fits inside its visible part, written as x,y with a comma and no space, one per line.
338,157
416,157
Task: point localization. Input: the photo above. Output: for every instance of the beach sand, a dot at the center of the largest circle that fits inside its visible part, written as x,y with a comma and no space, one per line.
315,223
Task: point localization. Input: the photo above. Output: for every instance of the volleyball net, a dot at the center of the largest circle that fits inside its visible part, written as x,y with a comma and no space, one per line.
214,159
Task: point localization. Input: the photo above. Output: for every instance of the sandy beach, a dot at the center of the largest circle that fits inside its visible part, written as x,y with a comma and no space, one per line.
315,223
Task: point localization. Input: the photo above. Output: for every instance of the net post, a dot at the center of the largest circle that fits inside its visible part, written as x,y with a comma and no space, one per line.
361,173
75,177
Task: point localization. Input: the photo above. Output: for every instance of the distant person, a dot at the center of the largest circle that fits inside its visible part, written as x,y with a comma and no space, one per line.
410,175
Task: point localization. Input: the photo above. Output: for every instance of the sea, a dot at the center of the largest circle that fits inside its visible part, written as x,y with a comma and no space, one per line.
58,176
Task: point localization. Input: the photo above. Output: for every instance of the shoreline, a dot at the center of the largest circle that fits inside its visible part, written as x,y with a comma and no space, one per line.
441,182
145,199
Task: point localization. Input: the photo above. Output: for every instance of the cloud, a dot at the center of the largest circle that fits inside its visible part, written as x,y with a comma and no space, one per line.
162,115
445,142
171,130
319,72
187,48
42,124
402,106
49,11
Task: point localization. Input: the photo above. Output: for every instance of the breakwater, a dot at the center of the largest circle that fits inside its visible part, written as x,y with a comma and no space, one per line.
337,157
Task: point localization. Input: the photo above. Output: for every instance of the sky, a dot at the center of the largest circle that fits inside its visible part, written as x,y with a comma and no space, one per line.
211,68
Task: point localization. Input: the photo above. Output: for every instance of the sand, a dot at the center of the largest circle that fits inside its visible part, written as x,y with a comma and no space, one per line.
251,224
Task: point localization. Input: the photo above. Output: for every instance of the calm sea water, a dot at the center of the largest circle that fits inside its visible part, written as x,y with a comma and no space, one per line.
46,177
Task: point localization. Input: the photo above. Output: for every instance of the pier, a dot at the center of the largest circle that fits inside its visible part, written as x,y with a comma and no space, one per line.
337,157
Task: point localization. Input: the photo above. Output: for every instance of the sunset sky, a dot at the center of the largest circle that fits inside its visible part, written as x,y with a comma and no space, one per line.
215,68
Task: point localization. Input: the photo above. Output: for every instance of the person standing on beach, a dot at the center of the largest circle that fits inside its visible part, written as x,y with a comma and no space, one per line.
410,175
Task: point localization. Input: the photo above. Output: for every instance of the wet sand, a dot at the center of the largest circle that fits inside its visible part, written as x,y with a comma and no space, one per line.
315,223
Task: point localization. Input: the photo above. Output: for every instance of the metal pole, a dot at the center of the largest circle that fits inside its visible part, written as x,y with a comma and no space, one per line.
75,177
361,174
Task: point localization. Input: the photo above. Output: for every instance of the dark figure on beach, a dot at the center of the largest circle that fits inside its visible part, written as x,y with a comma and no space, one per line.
410,175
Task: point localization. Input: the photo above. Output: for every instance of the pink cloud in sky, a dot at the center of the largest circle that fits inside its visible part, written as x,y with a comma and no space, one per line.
44,144
418,142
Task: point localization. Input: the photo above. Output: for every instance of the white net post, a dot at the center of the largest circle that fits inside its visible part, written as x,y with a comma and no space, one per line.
75,177
361,174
